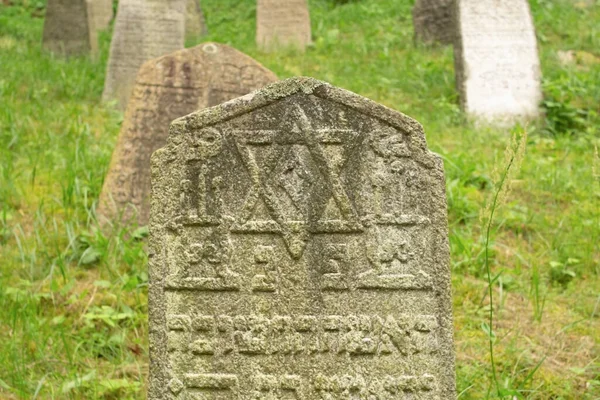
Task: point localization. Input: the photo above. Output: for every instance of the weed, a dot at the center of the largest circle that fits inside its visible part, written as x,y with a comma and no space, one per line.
513,158
562,115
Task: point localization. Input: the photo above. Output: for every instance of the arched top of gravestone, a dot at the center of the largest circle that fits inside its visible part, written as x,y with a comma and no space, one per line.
209,64
308,87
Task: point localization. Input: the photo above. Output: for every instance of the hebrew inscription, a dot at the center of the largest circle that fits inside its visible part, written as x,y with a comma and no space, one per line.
167,88
282,23
496,60
354,335
299,251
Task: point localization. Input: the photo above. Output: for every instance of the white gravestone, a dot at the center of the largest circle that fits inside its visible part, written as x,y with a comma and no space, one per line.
496,61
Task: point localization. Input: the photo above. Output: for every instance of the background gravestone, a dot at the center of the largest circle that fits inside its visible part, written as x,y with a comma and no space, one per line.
496,60
144,29
299,250
66,28
167,88
71,26
282,23
195,25
433,21
100,14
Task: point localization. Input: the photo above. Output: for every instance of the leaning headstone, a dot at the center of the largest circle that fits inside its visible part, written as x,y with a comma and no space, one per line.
496,61
66,28
299,250
144,29
282,23
433,21
195,25
167,88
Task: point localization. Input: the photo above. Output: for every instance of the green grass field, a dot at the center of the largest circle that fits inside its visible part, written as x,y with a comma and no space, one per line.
73,302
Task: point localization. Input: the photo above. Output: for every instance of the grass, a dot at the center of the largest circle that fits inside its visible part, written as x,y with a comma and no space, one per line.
73,301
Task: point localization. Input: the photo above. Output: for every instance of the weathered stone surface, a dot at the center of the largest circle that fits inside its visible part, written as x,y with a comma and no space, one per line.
100,13
66,29
299,249
496,60
282,23
195,25
167,88
144,29
433,21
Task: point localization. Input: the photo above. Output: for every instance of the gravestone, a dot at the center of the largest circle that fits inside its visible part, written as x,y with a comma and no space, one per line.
167,88
144,29
496,61
195,25
71,26
66,28
433,21
100,14
282,23
299,250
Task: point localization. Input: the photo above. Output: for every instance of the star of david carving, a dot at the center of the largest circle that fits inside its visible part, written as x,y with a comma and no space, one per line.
269,184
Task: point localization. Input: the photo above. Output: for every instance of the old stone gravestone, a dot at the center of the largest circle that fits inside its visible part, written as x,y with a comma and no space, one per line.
282,23
66,28
100,14
299,250
167,88
195,25
71,26
144,29
433,21
496,60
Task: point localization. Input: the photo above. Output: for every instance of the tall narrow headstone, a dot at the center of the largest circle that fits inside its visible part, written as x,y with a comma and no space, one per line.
195,24
66,28
496,61
433,21
282,23
299,250
167,88
100,14
144,29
